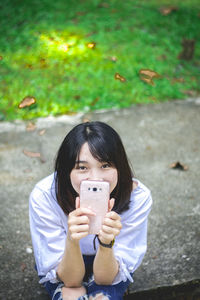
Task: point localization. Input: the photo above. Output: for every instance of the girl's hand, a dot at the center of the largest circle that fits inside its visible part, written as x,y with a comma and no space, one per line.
78,222
111,225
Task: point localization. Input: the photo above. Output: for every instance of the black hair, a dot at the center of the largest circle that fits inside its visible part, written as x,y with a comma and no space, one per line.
105,145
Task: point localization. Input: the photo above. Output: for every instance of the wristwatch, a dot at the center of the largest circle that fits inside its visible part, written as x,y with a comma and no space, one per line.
106,245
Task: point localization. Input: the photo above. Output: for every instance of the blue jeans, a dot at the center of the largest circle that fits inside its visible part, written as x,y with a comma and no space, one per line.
113,292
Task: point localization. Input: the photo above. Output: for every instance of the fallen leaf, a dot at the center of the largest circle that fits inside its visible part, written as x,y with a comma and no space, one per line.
23,267
94,101
148,75
27,171
30,126
162,57
90,33
42,132
179,80
178,166
113,58
31,154
168,10
27,101
148,147
43,63
188,47
77,97
91,45
34,155
29,66
85,120
80,13
120,77
104,5
190,93
1,57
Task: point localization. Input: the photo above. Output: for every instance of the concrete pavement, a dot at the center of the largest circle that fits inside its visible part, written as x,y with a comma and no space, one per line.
155,136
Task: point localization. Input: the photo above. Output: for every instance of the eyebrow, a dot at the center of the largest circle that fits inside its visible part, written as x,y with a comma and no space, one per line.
81,162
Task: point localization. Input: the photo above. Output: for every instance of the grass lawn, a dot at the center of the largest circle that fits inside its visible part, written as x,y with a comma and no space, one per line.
66,54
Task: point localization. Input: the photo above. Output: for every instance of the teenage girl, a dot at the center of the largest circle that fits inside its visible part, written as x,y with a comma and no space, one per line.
71,263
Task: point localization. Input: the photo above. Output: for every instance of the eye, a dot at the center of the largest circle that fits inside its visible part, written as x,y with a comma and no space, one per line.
105,165
82,168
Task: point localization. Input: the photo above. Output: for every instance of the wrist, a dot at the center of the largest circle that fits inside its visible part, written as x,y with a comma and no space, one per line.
72,241
106,245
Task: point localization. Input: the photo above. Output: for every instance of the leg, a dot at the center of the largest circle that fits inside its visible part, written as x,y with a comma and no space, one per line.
104,292
99,296
73,293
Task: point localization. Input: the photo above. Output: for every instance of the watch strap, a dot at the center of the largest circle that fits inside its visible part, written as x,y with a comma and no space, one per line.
106,245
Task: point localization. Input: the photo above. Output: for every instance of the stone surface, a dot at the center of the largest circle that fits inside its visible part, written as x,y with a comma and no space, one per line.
155,136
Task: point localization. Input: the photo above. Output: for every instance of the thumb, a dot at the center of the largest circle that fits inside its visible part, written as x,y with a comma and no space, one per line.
111,203
77,203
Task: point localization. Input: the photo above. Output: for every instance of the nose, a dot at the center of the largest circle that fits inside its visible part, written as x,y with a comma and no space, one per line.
95,175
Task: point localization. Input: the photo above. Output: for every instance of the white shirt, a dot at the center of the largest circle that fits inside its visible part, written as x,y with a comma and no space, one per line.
48,226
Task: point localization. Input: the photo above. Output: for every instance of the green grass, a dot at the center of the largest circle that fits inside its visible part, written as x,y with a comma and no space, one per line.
43,45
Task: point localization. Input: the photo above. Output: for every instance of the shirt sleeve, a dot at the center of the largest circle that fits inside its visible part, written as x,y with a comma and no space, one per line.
131,244
48,234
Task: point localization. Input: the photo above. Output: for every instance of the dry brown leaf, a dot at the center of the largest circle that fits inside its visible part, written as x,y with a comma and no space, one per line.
94,101
90,33
190,93
77,97
80,13
113,58
179,166
162,57
168,10
31,154
29,66
181,80
30,126
85,120
104,5
1,57
23,266
120,77
148,75
27,101
42,132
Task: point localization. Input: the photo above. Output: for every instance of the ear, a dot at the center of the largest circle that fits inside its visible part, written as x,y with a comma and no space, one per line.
77,203
111,203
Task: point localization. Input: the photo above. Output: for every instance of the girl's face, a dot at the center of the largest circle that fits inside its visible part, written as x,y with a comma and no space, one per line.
88,168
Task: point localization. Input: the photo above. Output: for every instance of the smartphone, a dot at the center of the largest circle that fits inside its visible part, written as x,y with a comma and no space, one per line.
95,196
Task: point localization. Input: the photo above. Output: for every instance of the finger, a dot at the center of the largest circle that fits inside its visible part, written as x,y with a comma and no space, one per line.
112,223
79,228
113,215
111,203
77,202
78,220
82,211
110,230
78,235
105,237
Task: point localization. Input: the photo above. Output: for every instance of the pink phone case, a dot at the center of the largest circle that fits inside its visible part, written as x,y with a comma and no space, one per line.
95,195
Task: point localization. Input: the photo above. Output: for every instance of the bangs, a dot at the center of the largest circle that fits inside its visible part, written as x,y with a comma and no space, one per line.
102,151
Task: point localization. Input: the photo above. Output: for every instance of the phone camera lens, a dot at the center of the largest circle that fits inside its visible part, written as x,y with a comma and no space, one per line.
94,189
